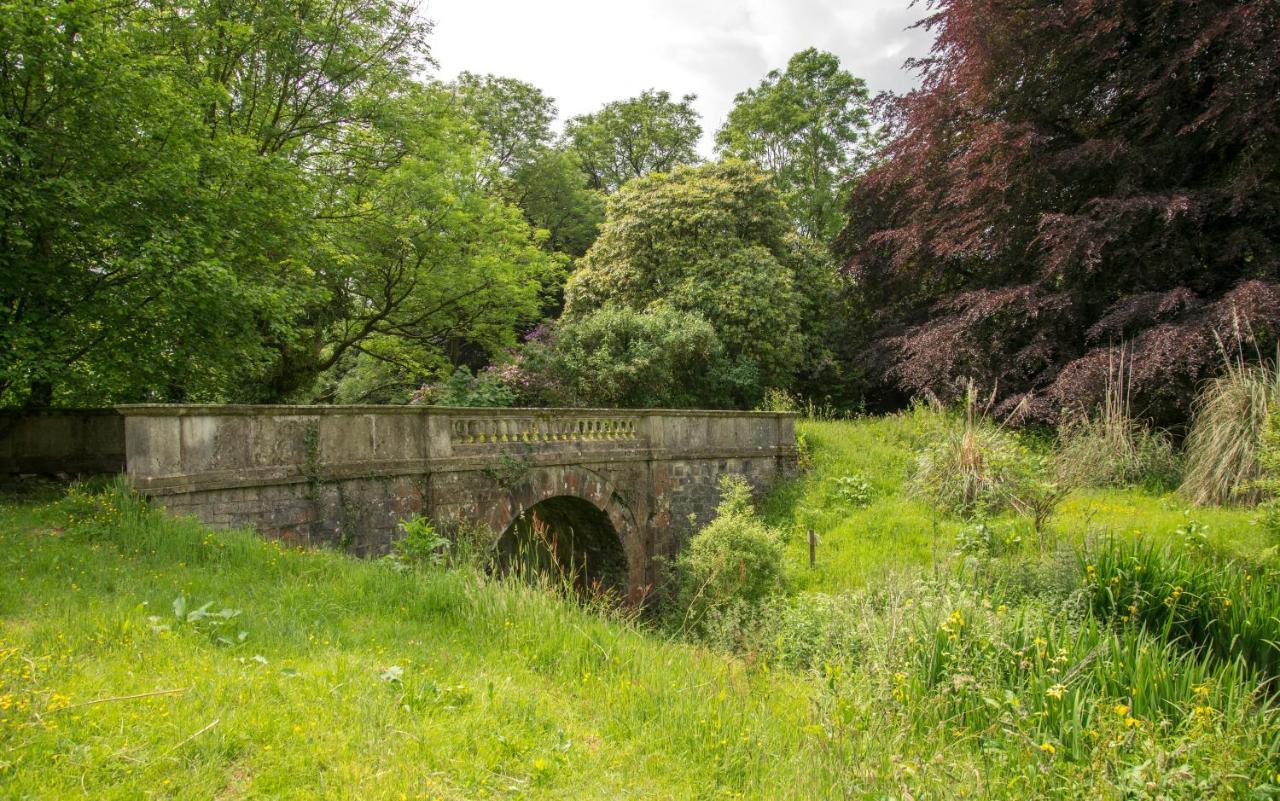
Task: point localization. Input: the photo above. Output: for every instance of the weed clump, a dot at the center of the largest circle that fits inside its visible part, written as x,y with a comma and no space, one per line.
973,467
1110,447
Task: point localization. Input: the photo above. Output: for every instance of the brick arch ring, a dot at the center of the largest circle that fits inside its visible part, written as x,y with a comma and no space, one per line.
545,483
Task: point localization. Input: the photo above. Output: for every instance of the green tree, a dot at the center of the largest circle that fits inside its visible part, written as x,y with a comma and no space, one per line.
714,240
808,126
553,192
421,263
630,138
220,200
136,235
515,116
545,181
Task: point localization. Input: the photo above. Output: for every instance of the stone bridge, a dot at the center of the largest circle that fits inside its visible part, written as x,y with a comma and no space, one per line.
347,475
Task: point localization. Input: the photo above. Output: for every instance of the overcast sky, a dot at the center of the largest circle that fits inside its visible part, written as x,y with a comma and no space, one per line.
585,53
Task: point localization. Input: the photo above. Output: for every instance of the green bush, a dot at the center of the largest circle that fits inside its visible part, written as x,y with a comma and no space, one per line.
987,540
420,544
732,566
462,388
619,357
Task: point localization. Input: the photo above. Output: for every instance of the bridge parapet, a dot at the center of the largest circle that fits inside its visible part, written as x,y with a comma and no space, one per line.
495,427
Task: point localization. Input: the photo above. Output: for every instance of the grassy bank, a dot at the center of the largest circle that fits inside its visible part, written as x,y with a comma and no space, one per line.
890,532
350,680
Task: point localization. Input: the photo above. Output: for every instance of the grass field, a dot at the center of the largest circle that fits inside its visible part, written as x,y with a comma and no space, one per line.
330,677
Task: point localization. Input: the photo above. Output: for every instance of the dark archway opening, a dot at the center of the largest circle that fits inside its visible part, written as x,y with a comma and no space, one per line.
568,541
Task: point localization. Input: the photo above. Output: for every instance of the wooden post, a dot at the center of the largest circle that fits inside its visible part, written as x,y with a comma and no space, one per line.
813,548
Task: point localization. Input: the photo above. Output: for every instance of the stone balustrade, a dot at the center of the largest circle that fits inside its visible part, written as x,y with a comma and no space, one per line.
488,429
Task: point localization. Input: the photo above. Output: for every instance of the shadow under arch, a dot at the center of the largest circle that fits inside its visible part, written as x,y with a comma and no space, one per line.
587,518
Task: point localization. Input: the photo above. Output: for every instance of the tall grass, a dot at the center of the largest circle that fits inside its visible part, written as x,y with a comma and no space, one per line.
971,467
1223,447
1222,610
1110,448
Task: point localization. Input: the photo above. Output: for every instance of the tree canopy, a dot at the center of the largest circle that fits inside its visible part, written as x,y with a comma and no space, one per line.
222,201
807,126
515,116
630,138
1068,179
714,240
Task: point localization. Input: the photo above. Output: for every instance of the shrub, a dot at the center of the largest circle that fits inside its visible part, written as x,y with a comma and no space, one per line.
811,630
1109,448
987,540
420,544
1222,450
616,356
462,388
730,567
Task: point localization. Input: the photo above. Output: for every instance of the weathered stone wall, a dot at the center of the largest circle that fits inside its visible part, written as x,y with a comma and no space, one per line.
346,476
62,441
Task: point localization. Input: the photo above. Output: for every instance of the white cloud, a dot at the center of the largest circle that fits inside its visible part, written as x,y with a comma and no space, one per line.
585,53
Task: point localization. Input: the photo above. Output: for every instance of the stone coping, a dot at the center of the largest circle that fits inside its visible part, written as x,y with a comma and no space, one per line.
273,475
186,410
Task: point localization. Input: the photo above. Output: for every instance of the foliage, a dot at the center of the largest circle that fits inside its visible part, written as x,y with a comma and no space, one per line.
732,567
806,126
420,544
710,240
854,490
1106,450
619,357
1215,608
553,192
1269,461
1060,687
1024,216
629,138
462,388
544,180
1222,449
222,202
987,540
1109,448
515,117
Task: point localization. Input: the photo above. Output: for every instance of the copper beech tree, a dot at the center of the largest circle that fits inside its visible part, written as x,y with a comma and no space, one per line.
1070,178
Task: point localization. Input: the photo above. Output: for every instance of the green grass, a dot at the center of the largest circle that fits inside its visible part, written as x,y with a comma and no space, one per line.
895,533
918,676
354,680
